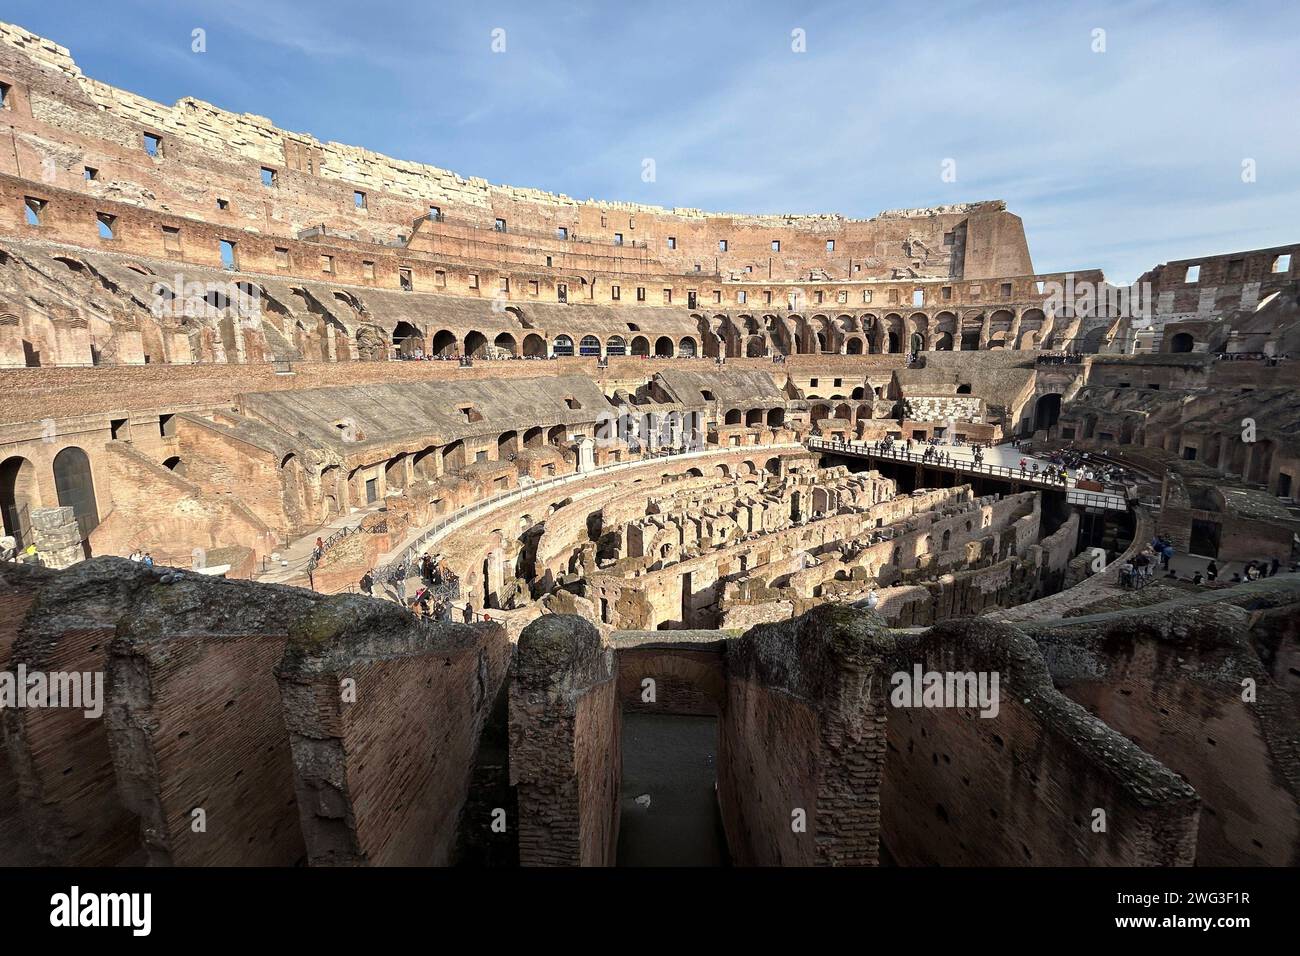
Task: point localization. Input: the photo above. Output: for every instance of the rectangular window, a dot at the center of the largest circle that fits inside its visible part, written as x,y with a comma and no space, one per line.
640,293
776,245
405,282
614,292
742,296
435,214
668,296
562,233
722,245
818,295
153,145
717,297
1282,263
949,238
1193,274
473,280
359,199
866,296
505,284
90,174
440,278
1006,290
533,287
228,257
367,269
767,297
34,209
4,96
223,204
327,264
893,297
947,293
499,225
843,297
918,297
269,176
672,242
548,262
105,222
618,238
171,239
281,257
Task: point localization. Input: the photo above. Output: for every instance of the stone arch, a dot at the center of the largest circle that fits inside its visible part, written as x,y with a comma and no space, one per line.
506,343
663,347
776,417
74,487
562,346
589,346
19,496
408,340
732,417
476,344
1182,342
687,348
640,345
444,343
616,345
534,346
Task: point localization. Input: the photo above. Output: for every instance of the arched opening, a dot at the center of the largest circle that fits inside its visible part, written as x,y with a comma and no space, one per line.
562,346
505,342
1047,411
916,344
963,389
853,346
819,412
395,472
616,345
755,347
507,445
175,463
891,343
754,417
640,345
772,466
589,346
476,345
663,347
686,347
557,435
18,497
845,412
534,438
453,456
776,417
424,465
444,343
408,341
74,486
821,341
1182,342
943,343
534,346
732,417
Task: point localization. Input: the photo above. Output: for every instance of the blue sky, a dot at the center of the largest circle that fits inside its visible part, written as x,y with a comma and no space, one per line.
1121,159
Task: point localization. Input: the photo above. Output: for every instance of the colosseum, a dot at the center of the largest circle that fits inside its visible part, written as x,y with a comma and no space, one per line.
379,515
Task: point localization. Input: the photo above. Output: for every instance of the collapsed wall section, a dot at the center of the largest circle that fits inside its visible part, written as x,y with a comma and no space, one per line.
385,714
1037,782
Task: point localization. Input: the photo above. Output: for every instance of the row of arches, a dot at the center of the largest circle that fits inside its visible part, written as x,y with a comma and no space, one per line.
74,487
409,342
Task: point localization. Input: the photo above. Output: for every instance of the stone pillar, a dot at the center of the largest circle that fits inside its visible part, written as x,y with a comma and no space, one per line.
565,755
57,537
586,455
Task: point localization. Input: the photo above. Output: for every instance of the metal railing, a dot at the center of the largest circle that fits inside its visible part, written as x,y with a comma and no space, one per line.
1074,495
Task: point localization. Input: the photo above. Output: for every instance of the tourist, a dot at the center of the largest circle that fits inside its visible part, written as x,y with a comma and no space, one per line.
468,614
1211,571
1197,578
368,584
147,560
873,599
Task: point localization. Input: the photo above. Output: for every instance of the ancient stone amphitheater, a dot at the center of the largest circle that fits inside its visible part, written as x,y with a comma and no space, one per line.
490,526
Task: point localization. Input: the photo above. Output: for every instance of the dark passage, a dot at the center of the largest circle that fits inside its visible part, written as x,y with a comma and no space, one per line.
672,760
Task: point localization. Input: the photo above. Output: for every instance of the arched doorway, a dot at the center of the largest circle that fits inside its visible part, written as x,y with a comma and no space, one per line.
640,345
562,346
1047,412
444,343
408,341
686,348
616,345
534,346
18,496
1182,342
589,347
75,487
476,345
663,347
506,343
